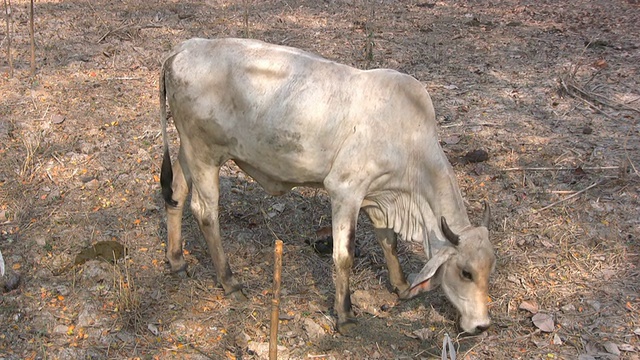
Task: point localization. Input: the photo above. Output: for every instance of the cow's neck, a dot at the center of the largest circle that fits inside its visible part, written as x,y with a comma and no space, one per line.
414,205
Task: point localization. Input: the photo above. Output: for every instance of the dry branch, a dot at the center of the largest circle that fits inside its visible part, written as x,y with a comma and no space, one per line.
571,88
561,168
468,125
127,26
275,302
571,196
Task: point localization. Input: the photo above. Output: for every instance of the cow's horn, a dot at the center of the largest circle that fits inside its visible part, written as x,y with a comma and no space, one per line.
450,235
486,216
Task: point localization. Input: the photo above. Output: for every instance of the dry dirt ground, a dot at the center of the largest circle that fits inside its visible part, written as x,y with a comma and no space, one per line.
549,89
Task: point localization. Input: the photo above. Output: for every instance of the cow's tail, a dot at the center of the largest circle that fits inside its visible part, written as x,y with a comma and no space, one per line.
166,172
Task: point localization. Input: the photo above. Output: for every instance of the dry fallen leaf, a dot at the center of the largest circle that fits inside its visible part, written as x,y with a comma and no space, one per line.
611,348
586,357
600,64
153,328
423,334
557,340
626,347
57,119
530,306
543,321
451,140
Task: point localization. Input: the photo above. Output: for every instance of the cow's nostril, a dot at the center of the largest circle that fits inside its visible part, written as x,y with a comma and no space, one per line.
481,328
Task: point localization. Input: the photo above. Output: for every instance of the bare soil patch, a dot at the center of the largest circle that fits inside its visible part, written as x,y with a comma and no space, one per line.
550,90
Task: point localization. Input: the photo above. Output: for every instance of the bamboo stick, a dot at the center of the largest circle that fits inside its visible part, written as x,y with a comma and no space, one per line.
275,302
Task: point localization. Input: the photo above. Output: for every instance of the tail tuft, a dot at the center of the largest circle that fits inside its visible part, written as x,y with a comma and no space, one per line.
166,179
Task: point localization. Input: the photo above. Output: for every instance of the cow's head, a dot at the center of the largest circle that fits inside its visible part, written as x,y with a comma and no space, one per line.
462,268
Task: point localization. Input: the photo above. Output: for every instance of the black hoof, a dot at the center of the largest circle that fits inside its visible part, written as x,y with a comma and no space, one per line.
237,296
347,327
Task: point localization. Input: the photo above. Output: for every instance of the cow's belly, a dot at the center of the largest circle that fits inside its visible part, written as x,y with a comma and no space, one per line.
272,183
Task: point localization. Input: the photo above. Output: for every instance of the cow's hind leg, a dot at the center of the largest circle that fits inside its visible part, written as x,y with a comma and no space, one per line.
174,205
389,243
204,205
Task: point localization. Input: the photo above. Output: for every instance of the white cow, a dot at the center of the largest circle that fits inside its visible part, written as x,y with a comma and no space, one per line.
290,118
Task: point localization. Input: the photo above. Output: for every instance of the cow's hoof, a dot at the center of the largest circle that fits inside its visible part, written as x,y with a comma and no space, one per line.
182,273
347,327
178,268
404,294
238,296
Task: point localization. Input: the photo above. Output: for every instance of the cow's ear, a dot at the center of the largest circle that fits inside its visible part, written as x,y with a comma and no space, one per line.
424,281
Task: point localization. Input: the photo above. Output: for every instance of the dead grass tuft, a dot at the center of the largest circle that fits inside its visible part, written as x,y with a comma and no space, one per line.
127,298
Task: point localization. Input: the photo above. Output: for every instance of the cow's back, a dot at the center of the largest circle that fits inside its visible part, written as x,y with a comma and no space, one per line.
288,113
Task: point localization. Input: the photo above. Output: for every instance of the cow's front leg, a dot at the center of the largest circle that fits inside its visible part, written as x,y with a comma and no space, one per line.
389,243
204,205
344,228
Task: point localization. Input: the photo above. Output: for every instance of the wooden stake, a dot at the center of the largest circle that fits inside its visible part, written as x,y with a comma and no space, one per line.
33,41
7,9
275,302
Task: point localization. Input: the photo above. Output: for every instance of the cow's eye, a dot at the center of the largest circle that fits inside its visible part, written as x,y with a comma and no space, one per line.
467,275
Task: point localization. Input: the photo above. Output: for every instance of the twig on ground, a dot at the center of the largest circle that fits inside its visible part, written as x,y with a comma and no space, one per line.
468,125
626,152
571,196
571,88
561,168
137,27
124,78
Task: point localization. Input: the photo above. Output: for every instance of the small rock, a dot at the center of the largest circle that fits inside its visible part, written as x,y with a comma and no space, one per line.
41,241
451,140
96,271
262,350
595,304
244,237
242,340
314,331
568,308
587,130
92,185
88,316
62,290
60,329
